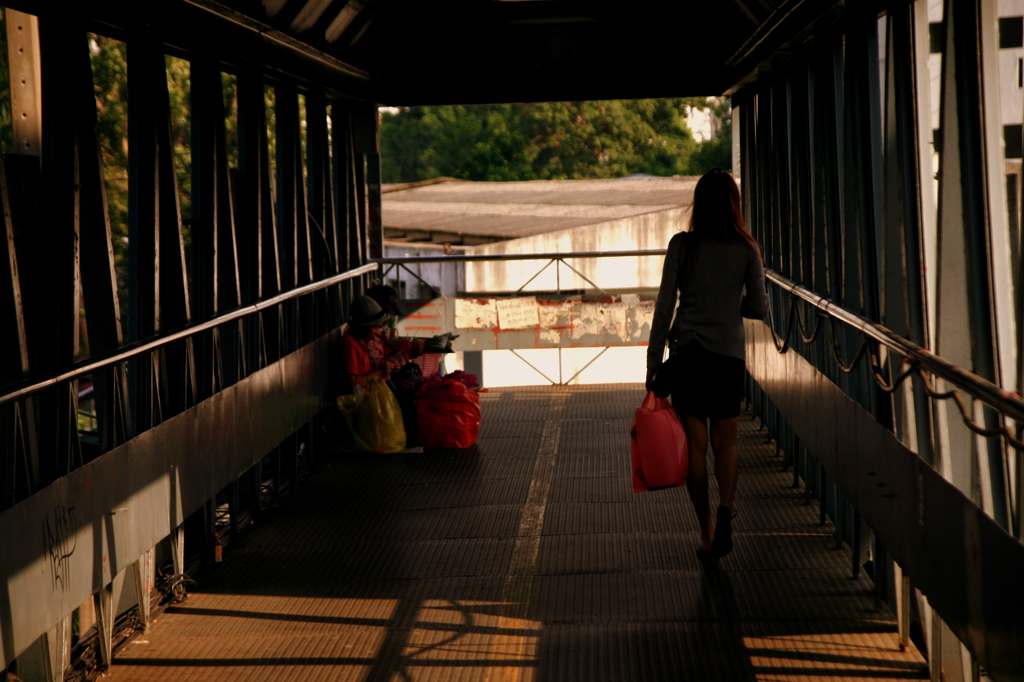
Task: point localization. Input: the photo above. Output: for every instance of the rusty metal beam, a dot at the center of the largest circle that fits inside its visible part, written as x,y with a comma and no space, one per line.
25,84
322,220
215,255
292,232
228,285
143,242
57,291
178,363
272,322
21,182
361,245
286,116
155,223
207,116
13,362
99,278
251,121
348,229
248,209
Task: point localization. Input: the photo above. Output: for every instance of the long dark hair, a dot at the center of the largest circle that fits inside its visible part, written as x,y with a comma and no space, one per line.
718,211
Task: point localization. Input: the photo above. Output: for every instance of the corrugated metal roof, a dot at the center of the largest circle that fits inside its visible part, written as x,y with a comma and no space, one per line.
509,210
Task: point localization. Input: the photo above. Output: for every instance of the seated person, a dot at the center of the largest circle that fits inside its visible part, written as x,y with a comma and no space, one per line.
387,298
364,353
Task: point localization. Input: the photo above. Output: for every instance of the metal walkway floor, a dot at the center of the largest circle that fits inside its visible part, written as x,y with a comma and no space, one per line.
527,557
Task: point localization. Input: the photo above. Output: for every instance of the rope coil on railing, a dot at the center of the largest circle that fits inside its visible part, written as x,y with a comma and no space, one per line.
922,363
782,342
819,318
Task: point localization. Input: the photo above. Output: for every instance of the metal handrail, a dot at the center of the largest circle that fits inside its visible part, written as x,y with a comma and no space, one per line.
1004,401
145,345
469,258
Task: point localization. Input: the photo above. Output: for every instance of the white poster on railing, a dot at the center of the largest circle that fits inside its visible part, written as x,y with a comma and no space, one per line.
475,313
518,313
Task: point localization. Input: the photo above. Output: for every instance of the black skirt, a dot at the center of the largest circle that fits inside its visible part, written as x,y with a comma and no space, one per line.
708,385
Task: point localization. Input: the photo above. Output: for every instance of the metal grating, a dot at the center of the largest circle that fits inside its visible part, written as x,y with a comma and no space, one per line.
423,567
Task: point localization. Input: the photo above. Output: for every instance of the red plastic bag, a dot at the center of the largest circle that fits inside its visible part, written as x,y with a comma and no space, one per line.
658,443
449,414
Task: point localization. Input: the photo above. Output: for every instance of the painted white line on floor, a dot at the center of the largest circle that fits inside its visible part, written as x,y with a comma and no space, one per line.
519,581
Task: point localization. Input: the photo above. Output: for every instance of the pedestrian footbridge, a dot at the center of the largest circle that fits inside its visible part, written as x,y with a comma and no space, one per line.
191,195
528,557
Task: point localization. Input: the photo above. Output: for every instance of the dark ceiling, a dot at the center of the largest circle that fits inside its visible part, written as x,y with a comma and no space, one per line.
473,51
400,52
549,50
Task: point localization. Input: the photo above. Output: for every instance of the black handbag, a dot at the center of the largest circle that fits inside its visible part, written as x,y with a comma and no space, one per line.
666,376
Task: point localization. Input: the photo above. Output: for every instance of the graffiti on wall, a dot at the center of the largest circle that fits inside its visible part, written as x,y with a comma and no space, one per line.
59,542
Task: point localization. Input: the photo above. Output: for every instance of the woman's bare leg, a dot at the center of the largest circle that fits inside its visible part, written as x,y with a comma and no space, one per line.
727,458
697,477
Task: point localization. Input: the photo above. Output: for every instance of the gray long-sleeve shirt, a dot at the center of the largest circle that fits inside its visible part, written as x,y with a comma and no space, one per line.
726,284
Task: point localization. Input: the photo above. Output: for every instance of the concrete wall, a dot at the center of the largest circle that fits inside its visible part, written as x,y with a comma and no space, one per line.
643,232
647,231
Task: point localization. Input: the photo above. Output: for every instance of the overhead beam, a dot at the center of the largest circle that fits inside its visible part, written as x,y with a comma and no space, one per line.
23,51
795,22
193,26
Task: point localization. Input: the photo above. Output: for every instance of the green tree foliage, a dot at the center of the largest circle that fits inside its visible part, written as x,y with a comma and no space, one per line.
546,141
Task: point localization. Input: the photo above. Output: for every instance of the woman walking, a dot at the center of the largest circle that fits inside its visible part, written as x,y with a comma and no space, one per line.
716,272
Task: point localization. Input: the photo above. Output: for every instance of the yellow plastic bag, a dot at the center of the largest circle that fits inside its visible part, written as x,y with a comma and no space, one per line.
373,421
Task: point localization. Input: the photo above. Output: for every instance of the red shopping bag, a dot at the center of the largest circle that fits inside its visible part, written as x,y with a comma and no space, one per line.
658,444
449,414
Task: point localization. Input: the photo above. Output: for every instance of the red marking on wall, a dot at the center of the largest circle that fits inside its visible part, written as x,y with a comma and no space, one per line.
426,329
421,317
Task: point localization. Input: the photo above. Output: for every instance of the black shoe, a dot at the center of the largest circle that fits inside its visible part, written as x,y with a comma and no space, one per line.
704,555
722,542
